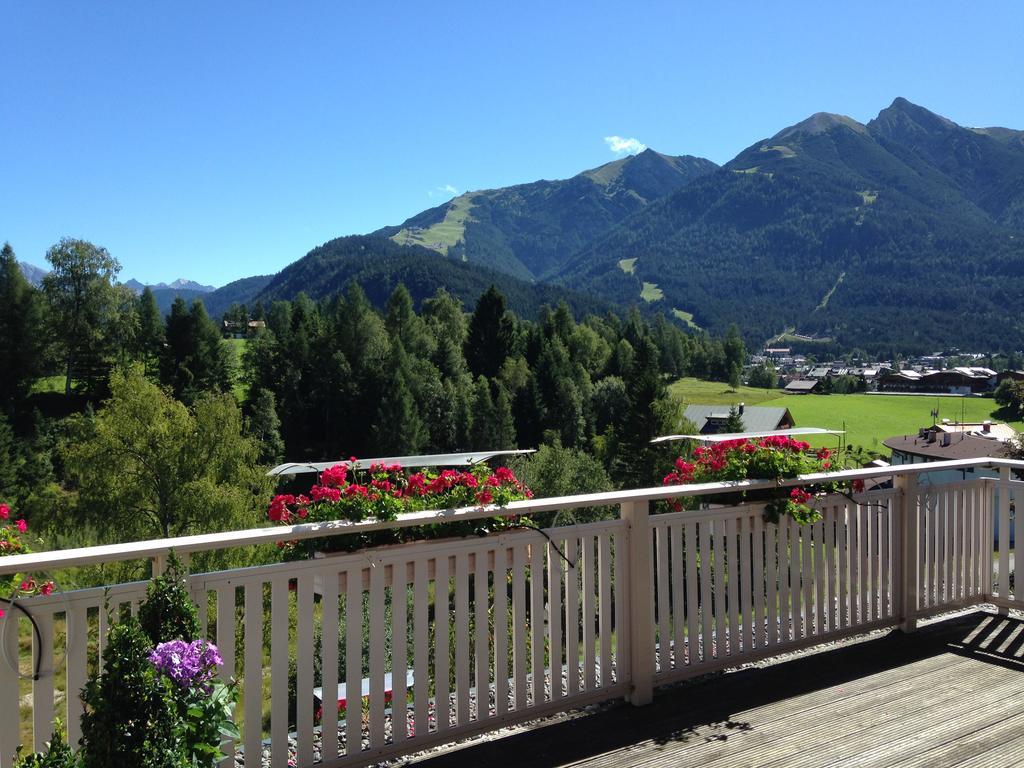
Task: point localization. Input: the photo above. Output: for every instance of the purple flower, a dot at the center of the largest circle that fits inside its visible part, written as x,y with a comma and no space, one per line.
187,664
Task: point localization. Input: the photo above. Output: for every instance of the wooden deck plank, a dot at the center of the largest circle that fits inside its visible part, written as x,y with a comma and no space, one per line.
947,695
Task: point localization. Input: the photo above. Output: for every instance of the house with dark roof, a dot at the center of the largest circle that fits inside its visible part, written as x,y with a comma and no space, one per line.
801,386
711,419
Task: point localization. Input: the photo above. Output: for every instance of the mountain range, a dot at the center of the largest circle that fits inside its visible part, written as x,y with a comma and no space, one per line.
902,234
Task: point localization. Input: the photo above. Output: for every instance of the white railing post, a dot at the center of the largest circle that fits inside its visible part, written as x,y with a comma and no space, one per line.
907,554
639,612
1003,512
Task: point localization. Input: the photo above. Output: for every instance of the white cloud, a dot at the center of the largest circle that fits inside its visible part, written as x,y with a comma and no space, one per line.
621,146
444,191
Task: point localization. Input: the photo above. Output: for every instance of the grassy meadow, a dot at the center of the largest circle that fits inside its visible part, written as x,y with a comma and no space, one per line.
867,419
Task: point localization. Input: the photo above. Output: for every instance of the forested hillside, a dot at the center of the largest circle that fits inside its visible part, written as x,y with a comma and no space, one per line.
379,265
899,235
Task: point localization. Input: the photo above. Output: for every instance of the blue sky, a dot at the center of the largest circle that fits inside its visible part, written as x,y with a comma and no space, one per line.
219,140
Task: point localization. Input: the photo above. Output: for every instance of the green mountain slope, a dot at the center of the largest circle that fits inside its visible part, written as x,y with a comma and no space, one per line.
378,265
529,230
920,217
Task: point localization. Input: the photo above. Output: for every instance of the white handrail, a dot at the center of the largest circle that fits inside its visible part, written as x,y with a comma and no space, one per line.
136,550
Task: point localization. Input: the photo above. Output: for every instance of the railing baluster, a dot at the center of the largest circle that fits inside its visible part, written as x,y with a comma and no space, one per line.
42,686
819,577
77,665
462,667
555,569
377,613
354,661
745,592
279,626
732,585
677,547
329,622
399,652
537,622
421,648
519,655
619,598
481,647
807,577
785,623
692,606
1004,534
442,650
604,602
865,545
719,607
253,734
572,617
501,666
304,668
661,569
589,613
758,639
795,580
772,555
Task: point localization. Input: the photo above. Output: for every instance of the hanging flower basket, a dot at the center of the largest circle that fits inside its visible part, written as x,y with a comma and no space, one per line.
772,458
385,491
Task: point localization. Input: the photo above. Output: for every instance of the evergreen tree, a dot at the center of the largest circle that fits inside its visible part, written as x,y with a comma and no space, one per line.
491,335
404,325
634,464
483,428
195,359
734,422
265,426
504,424
21,332
398,429
151,331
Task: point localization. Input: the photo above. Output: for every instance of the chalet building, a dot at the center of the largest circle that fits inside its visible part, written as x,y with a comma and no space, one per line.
802,386
1012,375
711,419
943,443
956,381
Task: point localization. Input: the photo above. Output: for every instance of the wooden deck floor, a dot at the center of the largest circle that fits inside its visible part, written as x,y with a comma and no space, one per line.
951,694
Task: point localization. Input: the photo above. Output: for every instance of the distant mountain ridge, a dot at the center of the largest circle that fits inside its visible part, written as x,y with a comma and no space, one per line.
900,234
527,230
181,284
33,273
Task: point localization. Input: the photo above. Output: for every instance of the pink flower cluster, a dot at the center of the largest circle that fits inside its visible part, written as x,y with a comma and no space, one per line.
12,543
772,457
385,490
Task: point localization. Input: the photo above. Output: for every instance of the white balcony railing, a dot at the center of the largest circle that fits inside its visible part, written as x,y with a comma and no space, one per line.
512,626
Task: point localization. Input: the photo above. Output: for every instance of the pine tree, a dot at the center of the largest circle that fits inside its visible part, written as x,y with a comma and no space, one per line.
734,423
398,429
491,335
265,426
150,339
21,333
483,429
504,424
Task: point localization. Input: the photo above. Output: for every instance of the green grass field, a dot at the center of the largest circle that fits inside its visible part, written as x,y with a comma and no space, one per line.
718,393
445,233
651,292
868,419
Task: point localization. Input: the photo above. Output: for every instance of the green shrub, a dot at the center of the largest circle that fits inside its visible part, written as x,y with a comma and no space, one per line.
58,754
131,714
168,612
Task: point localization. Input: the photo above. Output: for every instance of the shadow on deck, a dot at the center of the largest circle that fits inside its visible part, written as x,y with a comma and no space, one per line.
951,694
